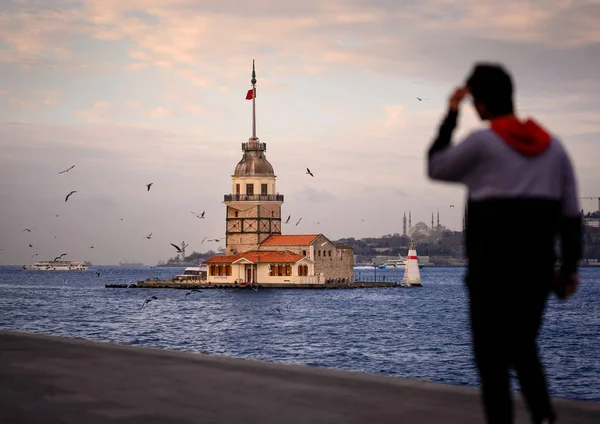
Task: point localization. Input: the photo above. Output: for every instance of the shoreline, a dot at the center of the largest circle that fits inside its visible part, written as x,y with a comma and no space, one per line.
42,382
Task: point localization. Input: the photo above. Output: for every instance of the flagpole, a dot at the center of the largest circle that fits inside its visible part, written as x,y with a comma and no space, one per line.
253,81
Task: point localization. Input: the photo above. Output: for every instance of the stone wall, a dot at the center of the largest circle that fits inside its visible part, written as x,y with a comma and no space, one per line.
335,263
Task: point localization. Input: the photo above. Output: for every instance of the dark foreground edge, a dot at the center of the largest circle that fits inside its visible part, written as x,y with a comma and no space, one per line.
48,379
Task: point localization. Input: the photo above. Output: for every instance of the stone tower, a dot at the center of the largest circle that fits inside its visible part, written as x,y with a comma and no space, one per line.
404,225
254,206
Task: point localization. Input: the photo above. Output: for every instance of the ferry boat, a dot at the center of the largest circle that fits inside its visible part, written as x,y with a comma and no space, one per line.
396,263
192,273
393,263
57,266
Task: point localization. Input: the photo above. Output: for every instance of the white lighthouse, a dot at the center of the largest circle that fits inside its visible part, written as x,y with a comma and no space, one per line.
412,276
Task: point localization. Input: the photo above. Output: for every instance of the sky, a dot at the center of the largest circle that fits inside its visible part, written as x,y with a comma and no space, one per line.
140,91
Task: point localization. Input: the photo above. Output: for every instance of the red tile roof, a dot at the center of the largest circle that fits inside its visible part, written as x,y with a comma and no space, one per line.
269,256
291,240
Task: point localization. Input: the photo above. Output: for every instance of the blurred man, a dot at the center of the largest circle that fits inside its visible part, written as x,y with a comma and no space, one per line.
522,194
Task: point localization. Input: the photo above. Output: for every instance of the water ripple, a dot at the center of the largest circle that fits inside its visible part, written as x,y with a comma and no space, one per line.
418,333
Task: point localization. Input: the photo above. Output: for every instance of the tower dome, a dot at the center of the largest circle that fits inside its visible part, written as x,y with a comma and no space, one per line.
254,162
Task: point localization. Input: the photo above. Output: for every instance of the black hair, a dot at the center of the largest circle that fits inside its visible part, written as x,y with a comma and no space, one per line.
492,85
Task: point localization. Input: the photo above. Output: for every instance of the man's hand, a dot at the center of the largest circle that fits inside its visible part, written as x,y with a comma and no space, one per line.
457,97
564,287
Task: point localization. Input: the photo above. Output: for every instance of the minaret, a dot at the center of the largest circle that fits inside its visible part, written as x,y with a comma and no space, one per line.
438,220
254,206
409,221
432,222
404,225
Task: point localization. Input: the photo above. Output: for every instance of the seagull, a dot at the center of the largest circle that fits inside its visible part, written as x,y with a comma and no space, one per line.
149,185
67,170
215,240
56,215
149,300
451,206
97,274
201,216
59,257
32,256
422,98
70,194
192,291
298,221
309,173
27,229
149,236
179,250
203,240
30,245
92,246
288,219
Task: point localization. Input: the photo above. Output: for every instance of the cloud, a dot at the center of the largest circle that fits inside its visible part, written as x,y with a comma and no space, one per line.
98,113
313,195
160,112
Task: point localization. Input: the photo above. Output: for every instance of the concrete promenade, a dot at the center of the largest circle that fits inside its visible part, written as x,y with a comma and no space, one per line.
45,379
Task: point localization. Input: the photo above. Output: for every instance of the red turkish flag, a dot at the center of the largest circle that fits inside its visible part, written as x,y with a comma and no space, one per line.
250,94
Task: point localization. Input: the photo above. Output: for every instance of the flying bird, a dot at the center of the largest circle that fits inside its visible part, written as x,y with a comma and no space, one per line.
451,206
201,216
422,98
57,215
149,300
214,239
176,247
149,185
288,219
30,245
32,256
298,221
149,236
27,229
192,291
59,257
67,170
92,246
203,240
309,173
70,194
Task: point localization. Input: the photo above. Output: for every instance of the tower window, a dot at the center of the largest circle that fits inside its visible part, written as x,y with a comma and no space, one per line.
263,189
237,189
250,189
236,214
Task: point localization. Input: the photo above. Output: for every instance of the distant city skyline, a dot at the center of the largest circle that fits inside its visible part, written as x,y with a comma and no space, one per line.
134,92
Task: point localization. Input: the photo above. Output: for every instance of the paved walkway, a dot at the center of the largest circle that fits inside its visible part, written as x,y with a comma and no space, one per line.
46,379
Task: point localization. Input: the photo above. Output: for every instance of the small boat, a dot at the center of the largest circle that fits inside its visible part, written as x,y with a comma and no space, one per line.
192,273
57,266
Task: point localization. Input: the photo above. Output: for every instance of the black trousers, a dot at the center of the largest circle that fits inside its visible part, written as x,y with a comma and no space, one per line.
505,320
